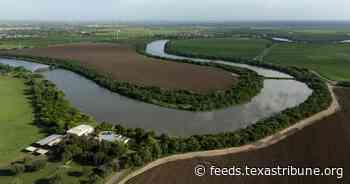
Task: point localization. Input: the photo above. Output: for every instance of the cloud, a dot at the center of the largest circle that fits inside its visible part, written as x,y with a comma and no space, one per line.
175,9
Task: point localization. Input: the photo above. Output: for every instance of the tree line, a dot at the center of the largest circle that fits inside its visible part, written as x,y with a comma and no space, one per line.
52,111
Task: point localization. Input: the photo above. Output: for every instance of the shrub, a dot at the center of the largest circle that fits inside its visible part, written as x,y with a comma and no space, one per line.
17,168
36,165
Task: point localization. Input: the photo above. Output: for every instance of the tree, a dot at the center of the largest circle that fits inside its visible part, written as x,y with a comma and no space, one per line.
94,179
57,178
192,144
17,181
36,165
146,154
17,169
137,160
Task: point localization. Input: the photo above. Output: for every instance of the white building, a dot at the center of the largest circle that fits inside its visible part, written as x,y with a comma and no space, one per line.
51,140
81,130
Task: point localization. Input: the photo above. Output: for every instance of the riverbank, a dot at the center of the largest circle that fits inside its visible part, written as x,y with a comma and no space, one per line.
265,142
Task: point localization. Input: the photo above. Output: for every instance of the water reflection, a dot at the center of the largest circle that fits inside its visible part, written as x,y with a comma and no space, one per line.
27,65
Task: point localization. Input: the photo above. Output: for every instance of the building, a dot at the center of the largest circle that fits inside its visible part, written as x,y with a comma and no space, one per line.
81,130
41,151
50,141
31,149
112,137
38,151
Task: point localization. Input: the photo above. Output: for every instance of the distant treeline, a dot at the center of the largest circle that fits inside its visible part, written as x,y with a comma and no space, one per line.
249,85
52,111
295,35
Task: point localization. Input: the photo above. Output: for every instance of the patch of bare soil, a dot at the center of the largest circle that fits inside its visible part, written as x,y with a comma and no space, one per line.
123,63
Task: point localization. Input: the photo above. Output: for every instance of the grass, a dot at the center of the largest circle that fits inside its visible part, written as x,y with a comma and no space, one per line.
51,168
330,60
225,47
16,120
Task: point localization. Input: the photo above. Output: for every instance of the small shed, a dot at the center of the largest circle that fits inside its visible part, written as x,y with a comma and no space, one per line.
31,149
41,151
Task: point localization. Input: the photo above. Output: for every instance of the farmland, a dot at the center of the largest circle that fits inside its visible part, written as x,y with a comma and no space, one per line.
16,120
330,60
124,64
222,47
122,33
307,148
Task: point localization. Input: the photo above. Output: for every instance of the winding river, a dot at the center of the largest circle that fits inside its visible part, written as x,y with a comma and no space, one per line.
103,105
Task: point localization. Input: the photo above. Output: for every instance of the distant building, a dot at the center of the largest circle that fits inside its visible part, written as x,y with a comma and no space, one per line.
81,130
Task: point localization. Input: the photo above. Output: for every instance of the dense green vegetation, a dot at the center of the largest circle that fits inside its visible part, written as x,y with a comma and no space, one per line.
16,119
248,86
330,60
239,47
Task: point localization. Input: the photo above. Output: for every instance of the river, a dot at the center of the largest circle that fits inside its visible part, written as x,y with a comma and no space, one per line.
103,105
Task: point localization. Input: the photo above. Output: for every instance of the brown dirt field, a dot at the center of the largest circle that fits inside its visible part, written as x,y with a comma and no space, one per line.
323,144
123,63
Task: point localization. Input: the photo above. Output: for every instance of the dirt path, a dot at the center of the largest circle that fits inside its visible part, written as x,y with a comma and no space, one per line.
268,141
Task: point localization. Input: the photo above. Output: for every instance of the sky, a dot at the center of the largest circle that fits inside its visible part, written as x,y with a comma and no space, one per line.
174,10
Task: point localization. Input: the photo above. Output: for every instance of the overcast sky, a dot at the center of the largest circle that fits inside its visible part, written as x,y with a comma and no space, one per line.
174,10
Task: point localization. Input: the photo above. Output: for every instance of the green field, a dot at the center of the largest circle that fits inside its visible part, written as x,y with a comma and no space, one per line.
330,60
224,47
42,175
16,118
